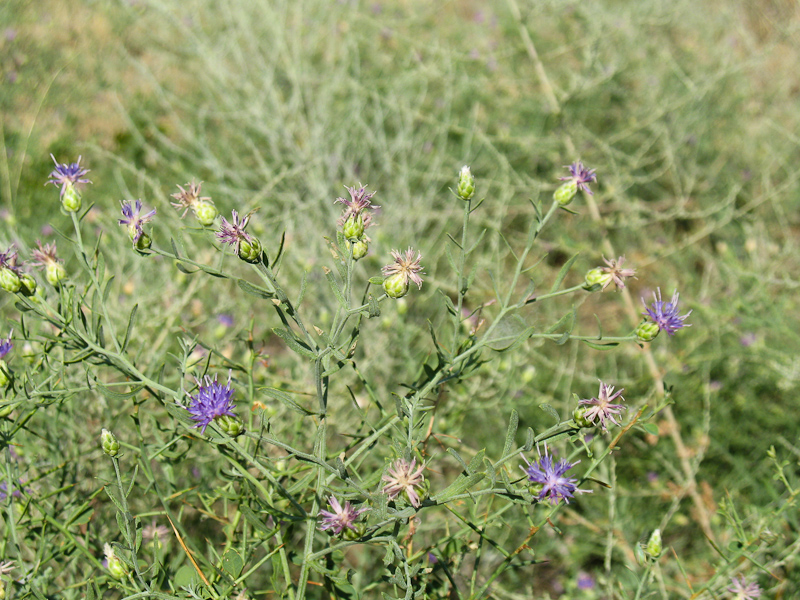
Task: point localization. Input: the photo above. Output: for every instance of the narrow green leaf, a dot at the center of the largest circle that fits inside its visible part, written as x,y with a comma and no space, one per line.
461,484
337,291
563,273
597,346
287,400
293,343
253,290
513,423
131,323
550,411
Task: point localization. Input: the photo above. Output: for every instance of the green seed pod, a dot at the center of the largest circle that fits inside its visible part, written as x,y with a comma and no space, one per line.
579,416
250,251
466,184
70,199
55,273
597,276
360,249
109,443
9,280
565,193
28,284
353,228
647,331
205,212
230,425
396,286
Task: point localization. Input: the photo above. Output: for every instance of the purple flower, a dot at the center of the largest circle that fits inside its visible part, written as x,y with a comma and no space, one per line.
212,400
225,319
358,203
581,176
233,233
551,477
403,477
133,220
44,256
406,265
585,581
15,492
601,409
67,175
342,517
743,590
8,259
665,314
6,345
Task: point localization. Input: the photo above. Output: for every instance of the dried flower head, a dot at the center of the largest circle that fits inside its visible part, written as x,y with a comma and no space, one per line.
67,175
212,400
155,532
665,314
616,273
359,204
188,198
601,408
742,590
133,220
43,256
581,176
341,517
405,265
403,477
551,477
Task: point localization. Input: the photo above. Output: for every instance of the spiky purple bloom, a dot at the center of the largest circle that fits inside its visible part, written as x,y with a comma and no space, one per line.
233,233
67,175
133,220
551,477
665,314
212,400
357,205
616,273
581,176
406,265
341,517
404,477
601,408
743,590
8,259
6,346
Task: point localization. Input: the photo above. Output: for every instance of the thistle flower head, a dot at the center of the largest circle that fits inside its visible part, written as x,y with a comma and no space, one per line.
601,408
67,175
8,259
358,205
44,256
133,220
742,590
232,232
616,273
403,477
6,346
211,401
581,176
340,517
665,314
551,477
405,265
189,198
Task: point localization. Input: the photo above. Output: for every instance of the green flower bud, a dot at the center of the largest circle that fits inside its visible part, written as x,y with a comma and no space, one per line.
579,416
250,251
205,211
70,199
353,228
109,443
55,273
2,590
9,280
230,425
647,331
597,276
115,566
466,184
653,547
143,243
351,535
565,193
28,284
396,286
360,248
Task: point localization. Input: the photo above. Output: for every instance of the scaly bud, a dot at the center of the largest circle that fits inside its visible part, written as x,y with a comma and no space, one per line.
55,273
205,212
396,286
70,198
230,425
565,193
360,248
9,280
114,565
28,287
250,250
109,443
654,547
579,416
353,227
647,331
466,184
595,277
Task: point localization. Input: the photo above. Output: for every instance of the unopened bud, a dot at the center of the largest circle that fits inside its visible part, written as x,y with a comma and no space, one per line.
466,183
565,193
109,443
28,284
230,425
653,547
360,249
250,251
9,280
205,212
143,243
647,331
579,416
55,273
396,286
114,565
597,276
